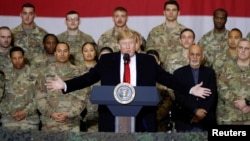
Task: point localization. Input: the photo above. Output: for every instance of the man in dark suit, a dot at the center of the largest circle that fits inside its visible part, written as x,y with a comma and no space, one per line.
144,71
192,113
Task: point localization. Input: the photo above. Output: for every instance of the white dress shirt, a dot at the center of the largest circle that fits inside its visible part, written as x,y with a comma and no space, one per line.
132,66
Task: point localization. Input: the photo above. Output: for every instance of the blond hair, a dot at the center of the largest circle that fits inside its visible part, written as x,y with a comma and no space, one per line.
127,34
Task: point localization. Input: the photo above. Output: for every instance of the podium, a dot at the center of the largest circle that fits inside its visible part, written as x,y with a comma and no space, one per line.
144,96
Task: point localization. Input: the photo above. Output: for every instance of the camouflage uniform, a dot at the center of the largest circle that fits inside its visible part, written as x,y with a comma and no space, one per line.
5,61
248,36
110,39
165,41
175,61
75,43
19,94
213,45
233,84
42,60
32,43
2,82
55,101
221,60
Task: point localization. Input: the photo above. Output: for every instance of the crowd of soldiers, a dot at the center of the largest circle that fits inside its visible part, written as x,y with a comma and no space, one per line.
29,55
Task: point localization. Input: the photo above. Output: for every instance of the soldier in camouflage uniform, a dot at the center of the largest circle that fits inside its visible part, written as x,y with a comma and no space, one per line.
28,35
61,112
234,88
18,104
2,82
90,56
49,42
109,38
180,58
248,36
214,42
233,39
5,45
165,37
74,36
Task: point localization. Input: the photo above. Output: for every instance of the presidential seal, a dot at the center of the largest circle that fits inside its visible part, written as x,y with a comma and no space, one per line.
124,93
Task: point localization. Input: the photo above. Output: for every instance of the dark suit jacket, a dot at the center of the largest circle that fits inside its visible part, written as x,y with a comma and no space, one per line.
186,103
108,71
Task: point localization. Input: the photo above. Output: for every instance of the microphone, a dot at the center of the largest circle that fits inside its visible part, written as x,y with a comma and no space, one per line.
126,57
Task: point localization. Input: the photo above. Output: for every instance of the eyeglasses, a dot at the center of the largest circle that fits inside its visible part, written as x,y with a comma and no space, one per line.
73,19
127,43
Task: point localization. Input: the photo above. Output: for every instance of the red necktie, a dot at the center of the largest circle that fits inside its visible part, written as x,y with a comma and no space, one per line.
126,72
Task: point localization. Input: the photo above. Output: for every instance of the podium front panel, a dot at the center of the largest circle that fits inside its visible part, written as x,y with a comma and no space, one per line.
124,110
144,96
